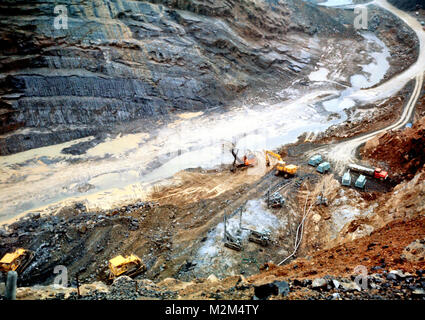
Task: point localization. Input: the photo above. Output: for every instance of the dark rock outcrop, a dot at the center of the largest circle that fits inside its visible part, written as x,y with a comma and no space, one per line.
408,4
125,60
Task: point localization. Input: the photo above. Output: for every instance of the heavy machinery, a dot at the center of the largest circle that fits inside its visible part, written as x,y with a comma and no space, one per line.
261,238
315,160
16,261
324,167
230,241
361,182
125,266
321,199
275,200
235,242
346,179
249,160
281,166
376,173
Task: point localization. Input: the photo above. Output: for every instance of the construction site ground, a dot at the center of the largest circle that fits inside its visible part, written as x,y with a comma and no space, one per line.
178,233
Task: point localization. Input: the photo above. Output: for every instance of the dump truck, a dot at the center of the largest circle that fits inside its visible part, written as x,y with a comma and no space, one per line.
281,166
376,173
361,182
324,167
125,266
16,261
315,160
346,179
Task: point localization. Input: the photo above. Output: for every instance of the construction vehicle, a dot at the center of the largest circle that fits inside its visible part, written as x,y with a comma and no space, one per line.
376,173
346,179
275,200
315,160
261,238
281,166
16,261
125,266
230,241
321,199
249,160
324,167
361,182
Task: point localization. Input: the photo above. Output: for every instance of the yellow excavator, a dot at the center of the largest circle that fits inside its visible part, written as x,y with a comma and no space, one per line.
125,266
16,261
281,166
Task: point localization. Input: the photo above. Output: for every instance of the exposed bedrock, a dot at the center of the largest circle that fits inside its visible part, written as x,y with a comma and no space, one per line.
409,4
125,60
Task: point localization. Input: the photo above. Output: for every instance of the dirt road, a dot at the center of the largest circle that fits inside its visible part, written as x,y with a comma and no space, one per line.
123,169
345,152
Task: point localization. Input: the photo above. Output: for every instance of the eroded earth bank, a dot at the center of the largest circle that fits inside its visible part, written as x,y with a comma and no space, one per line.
116,138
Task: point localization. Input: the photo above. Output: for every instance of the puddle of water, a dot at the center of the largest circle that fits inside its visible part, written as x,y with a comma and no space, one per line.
373,73
138,161
126,166
319,75
335,3
117,146
376,70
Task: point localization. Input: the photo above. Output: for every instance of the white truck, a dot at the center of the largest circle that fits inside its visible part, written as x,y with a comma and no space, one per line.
377,173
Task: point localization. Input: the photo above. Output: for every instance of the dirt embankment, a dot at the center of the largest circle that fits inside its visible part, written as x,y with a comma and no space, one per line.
392,257
402,150
384,248
389,225
366,119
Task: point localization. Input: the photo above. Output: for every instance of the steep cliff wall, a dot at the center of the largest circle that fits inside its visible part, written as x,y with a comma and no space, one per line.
124,60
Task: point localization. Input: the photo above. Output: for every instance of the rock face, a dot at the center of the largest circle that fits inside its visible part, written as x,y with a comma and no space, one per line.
415,251
123,60
406,154
408,4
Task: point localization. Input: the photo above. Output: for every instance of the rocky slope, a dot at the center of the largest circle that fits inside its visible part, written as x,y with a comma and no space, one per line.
408,4
393,258
406,155
120,61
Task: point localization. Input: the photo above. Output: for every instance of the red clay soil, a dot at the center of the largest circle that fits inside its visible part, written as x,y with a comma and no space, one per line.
402,150
382,248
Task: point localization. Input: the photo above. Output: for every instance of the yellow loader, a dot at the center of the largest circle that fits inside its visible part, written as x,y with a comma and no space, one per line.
125,266
16,261
281,166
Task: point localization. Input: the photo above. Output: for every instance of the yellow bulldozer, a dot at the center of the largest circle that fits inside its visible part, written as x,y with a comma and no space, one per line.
125,266
16,261
281,166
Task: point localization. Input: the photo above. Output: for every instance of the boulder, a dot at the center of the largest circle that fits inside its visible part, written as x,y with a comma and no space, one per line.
319,283
415,251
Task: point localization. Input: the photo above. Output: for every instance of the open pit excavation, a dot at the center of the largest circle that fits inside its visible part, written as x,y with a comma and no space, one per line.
237,150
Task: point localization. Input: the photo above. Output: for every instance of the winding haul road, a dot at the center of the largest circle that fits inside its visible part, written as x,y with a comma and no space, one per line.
344,152
120,170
